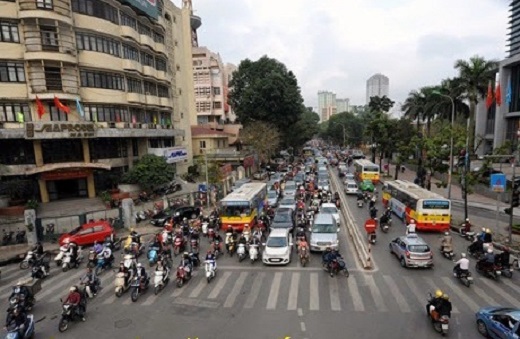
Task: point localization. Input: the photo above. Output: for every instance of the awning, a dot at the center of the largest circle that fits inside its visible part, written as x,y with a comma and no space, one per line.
65,166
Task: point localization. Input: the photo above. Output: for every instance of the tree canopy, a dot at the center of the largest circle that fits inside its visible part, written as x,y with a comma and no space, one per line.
150,172
263,137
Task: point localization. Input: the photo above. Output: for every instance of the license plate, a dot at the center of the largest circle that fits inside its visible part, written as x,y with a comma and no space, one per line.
445,327
470,278
276,260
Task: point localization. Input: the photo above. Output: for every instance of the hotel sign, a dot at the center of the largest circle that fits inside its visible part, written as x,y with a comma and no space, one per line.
59,130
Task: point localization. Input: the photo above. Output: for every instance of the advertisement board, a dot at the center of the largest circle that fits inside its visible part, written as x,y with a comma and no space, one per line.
149,7
175,154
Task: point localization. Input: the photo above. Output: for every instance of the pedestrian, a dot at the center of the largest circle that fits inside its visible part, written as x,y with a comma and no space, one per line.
402,168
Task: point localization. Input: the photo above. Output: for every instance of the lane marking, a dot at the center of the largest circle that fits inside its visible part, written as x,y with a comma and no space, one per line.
501,292
220,285
335,304
459,293
356,296
292,303
230,300
401,301
376,294
302,326
198,289
283,269
196,303
255,290
273,293
314,304
300,312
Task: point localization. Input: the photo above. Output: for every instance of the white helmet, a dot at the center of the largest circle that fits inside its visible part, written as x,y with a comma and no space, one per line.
139,264
412,221
463,255
446,233
73,289
490,250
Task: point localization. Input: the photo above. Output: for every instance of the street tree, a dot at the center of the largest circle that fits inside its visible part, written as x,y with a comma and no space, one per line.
265,90
354,128
303,130
150,172
380,104
263,137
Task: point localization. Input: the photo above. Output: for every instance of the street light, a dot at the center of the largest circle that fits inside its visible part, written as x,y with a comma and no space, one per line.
344,133
450,171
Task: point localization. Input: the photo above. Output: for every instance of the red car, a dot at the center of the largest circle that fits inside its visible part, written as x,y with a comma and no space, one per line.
87,234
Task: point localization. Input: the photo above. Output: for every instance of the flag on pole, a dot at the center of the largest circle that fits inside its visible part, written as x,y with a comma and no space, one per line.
498,94
155,120
19,117
134,120
60,106
79,108
489,96
509,91
94,116
39,108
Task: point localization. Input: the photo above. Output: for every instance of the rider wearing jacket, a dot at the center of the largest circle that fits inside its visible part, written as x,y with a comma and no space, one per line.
489,259
141,272
38,249
187,263
211,258
74,299
17,318
386,216
91,280
447,243
462,265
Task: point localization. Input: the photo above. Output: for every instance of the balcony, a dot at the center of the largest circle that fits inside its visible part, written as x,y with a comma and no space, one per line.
101,95
101,60
159,47
148,41
129,32
162,75
50,79
150,71
132,65
13,90
9,10
100,25
59,10
152,100
135,98
195,21
41,43
165,102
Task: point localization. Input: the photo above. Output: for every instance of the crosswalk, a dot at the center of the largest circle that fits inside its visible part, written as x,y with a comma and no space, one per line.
290,290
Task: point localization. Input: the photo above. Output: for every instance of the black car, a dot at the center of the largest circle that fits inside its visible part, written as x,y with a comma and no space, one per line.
283,219
178,213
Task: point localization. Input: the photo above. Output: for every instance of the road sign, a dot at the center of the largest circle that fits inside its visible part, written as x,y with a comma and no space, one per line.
498,182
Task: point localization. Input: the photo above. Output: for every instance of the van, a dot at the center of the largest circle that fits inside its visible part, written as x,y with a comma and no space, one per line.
324,233
240,183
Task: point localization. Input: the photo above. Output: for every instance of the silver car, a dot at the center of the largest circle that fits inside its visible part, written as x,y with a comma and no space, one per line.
349,177
272,198
324,233
290,189
323,185
351,187
412,251
288,202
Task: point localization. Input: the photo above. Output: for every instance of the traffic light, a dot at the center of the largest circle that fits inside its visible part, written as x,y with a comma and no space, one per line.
516,198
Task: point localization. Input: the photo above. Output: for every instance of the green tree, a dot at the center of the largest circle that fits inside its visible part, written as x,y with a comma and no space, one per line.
303,130
475,75
380,104
263,137
354,129
265,90
150,172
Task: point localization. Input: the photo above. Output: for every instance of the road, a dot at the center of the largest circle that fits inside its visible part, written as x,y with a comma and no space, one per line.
256,301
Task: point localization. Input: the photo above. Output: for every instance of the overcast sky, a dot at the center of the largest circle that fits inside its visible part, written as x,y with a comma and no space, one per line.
337,44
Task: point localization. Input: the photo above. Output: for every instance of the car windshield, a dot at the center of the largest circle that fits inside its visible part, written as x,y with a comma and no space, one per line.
281,218
287,202
419,248
276,242
323,182
290,187
354,186
329,210
323,228
236,211
272,195
367,182
74,231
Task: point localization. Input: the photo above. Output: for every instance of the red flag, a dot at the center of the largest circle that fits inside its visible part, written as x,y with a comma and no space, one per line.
498,94
61,106
39,108
489,97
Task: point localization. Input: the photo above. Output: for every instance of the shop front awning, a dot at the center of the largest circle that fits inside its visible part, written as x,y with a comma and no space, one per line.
66,166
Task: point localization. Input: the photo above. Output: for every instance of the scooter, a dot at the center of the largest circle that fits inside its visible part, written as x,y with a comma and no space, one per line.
491,271
121,285
20,237
447,253
40,270
241,252
216,248
182,276
304,256
103,264
67,264
140,216
178,245
360,203
194,244
152,255
210,270
68,315
372,238
92,259
464,276
139,285
58,259
27,261
253,253
384,227
441,324
211,234
161,279
14,333
204,227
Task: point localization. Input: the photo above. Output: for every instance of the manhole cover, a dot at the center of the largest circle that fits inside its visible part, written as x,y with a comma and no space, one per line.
123,323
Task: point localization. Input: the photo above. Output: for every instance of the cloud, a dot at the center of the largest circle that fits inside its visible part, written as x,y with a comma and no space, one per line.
337,44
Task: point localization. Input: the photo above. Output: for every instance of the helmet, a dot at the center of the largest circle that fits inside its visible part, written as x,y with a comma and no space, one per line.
463,255
445,297
185,253
73,289
121,263
490,250
19,283
446,233
66,241
184,219
412,221
488,231
483,230
438,293
467,219
209,252
139,264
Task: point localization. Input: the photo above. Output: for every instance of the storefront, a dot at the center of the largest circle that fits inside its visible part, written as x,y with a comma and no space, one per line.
66,184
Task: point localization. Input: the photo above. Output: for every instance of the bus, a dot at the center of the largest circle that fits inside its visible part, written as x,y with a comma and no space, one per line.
431,211
308,152
243,206
366,170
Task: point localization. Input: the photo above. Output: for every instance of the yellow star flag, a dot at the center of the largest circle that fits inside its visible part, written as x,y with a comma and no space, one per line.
19,117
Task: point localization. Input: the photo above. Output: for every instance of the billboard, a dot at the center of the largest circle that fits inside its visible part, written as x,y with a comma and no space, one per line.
175,154
148,7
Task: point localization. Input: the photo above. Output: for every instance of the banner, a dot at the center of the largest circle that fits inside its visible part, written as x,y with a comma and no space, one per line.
149,7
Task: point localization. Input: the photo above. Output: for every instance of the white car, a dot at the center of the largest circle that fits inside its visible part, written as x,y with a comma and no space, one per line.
290,189
323,185
277,249
329,208
288,202
351,187
348,177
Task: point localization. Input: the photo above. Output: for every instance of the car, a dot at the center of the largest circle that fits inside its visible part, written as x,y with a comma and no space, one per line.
323,185
357,154
342,170
499,322
178,214
288,202
324,233
272,198
283,219
412,251
290,189
88,233
349,177
329,208
277,248
278,176
367,185
260,175
299,178
351,188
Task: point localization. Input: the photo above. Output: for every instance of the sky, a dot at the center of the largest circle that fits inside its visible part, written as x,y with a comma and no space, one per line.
337,45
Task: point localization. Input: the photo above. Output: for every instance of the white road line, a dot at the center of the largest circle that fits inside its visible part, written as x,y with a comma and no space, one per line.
300,312
230,300
512,300
314,302
176,291
71,280
421,298
255,290
511,285
302,326
435,287
150,300
9,269
480,292
463,296
335,304
283,269
354,292
376,294
6,290
401,301
219,286
292,302
198,289
275,289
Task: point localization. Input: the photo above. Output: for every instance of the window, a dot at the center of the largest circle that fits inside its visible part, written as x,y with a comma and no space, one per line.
158,37
106,113
9,32
98,43
108,148
217,105
130,52
163,91
49,36
160,64
12,72
105,80
143,29
98,9
135,147
202,144
44,4
63,150
147,59
216,90
56,114
9,111
127,20
17,151
134,85
150,88
53,78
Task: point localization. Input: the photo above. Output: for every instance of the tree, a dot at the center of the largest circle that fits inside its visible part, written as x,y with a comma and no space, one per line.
263,137
380,104
354,128
475,76
265,90
377,123
150,172
303,130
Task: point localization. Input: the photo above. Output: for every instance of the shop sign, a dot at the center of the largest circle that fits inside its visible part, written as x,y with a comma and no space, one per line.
59,130
249,161
225,170
175,154
65,175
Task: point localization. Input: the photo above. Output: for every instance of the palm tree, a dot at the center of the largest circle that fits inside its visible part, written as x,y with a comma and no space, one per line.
475,76
422,106
453,88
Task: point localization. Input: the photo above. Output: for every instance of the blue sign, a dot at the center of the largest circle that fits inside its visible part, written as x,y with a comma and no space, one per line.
498,182
175,154
202,188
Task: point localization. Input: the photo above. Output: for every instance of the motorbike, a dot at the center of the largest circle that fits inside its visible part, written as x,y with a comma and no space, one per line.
140,216
121,285
68,314
211,234
194,257
135,249
7,238
28,260
38,272
67,264
491,271
372,238
247,234
92,259
335,267
441,323
210,270
13,331
384,226
447,253
204,226
464,276
253,253
304,256
20,300
153,255
139,285
360,203
194,245
20,237
182,276
470,236
241,252
216,248
178,246
58,259
161,279
103,264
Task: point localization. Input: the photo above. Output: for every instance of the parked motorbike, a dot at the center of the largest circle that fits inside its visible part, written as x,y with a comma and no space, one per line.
491,271
140,216
7,238
253,253
139,285
241,252
161,279
69,314
20,237
121,284
210,270
13,331
440,323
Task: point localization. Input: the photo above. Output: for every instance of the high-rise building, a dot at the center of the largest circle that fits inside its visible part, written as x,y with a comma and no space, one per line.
326,103
377,85
343,105
230,114
87,87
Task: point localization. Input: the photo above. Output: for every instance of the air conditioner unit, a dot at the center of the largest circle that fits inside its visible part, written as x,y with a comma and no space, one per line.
127,125
111,125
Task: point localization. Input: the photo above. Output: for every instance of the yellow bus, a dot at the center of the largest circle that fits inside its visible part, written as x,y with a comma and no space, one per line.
243,206
366,170
431,211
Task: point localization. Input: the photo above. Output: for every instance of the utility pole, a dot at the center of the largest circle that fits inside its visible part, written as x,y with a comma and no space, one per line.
466,171
207,177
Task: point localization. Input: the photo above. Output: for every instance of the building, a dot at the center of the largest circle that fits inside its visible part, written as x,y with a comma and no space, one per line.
498,124
326,104
230,114
343,105
87,87
377,85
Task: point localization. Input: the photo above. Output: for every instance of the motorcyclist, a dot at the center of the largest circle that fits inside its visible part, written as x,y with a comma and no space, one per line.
504,258
373,212
141,272
488,237
97,247
300,233
126,270
360,196
91,280
325,257
410,228
211,258
38,250
385,218
73,250
303,244
18,319
462,265
372,202
435,301
335,255
74,299
489,259
467,226
185,226
444,306
106,253
446,243
22,291
186,263
136,237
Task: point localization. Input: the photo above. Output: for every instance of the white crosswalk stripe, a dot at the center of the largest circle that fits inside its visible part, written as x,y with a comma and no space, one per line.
376,294
255,290
460,294
484,295
354,293
401,301
230,300
198,290
314,304
275,289
510,299
292,302
335,304
221,282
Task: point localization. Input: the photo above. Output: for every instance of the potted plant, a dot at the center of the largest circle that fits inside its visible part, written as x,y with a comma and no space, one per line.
32,204
107,198
17,190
